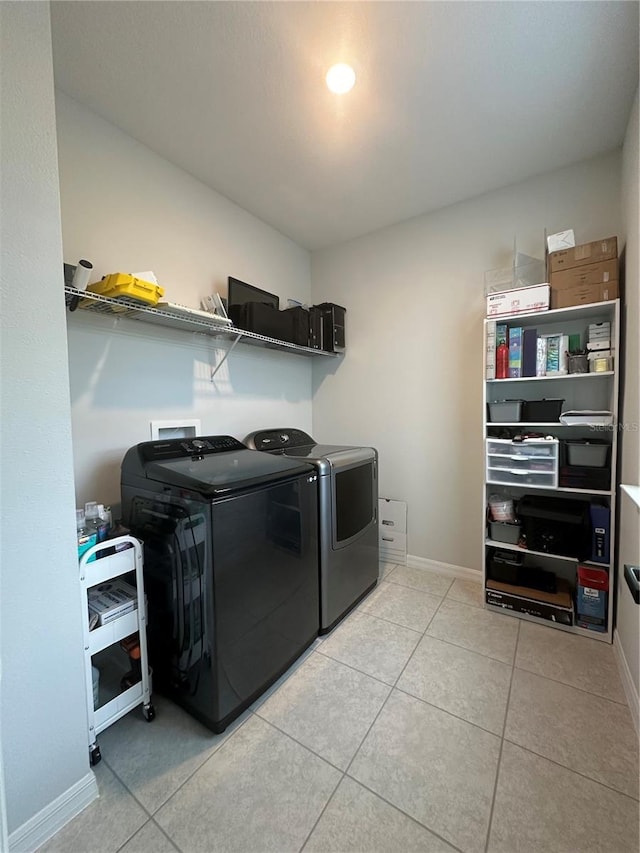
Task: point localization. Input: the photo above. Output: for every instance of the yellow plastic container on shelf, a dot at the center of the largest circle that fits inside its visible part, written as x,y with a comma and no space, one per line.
123,285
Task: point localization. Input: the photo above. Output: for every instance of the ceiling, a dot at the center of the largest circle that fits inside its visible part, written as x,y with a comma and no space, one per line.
452,99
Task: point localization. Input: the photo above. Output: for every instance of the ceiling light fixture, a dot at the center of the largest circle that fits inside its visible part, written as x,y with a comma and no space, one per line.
340,78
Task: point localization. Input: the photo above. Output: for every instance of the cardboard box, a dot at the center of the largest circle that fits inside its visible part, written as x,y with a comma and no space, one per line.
552,606
587,253
523,300
584,294
600,273
111,599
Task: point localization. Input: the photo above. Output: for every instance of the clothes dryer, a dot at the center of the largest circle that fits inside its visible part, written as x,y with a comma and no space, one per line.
347,507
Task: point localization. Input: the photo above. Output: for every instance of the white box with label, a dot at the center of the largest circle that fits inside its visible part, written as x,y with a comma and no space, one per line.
522,300
396,542
392,515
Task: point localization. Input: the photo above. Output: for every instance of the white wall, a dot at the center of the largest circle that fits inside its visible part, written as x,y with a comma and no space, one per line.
44,738
411,383
126,209
630,472
628,616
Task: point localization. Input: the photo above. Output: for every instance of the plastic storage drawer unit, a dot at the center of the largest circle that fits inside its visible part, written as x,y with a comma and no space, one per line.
532,462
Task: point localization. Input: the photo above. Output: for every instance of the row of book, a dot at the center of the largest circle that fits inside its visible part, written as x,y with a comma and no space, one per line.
514,352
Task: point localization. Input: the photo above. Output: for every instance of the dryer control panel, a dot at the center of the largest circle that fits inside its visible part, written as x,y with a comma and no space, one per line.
279,439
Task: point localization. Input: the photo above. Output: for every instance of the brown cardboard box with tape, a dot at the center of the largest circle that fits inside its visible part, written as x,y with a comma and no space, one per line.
582,285
586,253
599,273
583,294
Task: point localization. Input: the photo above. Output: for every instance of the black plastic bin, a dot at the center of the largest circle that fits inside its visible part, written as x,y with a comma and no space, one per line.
556,526
542,411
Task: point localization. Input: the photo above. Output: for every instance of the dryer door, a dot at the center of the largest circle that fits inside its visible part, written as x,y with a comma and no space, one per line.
355,495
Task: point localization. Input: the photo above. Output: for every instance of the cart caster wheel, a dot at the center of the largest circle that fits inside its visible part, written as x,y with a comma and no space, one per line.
149,713
95,756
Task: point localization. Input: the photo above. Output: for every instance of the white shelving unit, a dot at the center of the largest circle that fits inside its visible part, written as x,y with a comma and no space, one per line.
581,391
114,702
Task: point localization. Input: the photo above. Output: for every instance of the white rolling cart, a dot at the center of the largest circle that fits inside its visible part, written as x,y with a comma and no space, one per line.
115,701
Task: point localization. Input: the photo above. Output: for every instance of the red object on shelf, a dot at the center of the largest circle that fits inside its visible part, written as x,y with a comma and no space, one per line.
594,578
502,361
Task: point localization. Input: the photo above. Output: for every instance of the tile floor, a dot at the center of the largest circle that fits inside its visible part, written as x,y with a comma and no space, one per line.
421,723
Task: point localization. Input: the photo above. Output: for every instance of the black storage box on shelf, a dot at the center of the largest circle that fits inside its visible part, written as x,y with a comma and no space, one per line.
542,411
588,453
505,565
556,526
581,477
508,567
299,325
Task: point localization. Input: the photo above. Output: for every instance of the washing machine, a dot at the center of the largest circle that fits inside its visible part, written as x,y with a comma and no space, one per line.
230,566
347,513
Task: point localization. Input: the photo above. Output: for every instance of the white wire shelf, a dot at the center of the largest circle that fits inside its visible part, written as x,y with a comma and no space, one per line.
116,309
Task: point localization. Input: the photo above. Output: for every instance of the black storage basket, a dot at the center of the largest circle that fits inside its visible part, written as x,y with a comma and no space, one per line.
542,411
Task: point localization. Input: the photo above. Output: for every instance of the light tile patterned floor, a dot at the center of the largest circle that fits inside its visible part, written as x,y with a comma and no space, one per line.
421,723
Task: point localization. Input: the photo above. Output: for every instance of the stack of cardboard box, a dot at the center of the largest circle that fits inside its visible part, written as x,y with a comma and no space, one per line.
584,274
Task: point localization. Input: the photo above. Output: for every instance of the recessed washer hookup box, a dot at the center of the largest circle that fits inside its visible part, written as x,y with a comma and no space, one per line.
522,300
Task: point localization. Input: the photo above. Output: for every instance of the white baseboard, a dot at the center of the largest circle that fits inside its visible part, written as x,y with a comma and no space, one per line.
43,825
627,682
444,568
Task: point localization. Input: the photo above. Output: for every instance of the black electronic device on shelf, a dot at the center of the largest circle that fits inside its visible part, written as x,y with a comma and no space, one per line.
327,327
255,310
556,526
508,567
240,293
258,311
